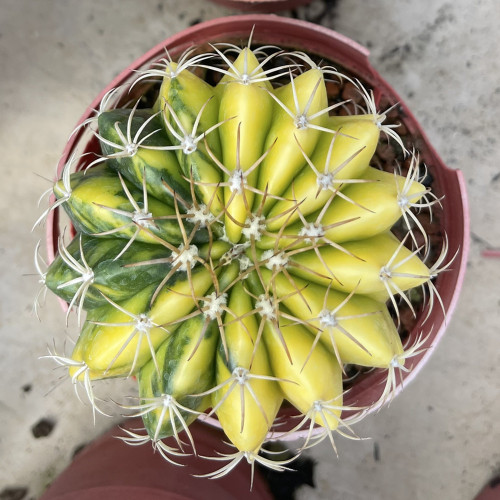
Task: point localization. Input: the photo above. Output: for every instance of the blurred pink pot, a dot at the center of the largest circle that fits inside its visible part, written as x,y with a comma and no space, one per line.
262,5
109,470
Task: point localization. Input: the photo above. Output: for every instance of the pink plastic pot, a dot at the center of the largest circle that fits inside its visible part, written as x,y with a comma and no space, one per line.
295,34
262,5
109,470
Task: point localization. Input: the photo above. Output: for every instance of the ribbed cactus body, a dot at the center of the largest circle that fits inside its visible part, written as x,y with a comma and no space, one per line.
234,249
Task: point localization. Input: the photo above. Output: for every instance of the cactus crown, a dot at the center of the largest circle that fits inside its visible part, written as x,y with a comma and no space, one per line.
236,247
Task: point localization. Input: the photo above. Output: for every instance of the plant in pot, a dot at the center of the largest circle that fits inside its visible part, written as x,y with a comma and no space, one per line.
258,236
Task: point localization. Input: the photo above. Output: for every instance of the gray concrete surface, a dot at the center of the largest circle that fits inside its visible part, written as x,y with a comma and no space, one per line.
440,439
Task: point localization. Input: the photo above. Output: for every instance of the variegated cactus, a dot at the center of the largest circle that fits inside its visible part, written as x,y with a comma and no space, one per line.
233,248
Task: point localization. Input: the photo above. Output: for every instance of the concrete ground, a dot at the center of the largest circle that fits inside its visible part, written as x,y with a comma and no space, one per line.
440,439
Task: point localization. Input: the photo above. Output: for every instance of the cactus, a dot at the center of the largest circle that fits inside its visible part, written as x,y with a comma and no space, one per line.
233,249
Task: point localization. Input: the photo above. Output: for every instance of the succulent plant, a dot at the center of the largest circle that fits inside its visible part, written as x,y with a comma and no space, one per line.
232,248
